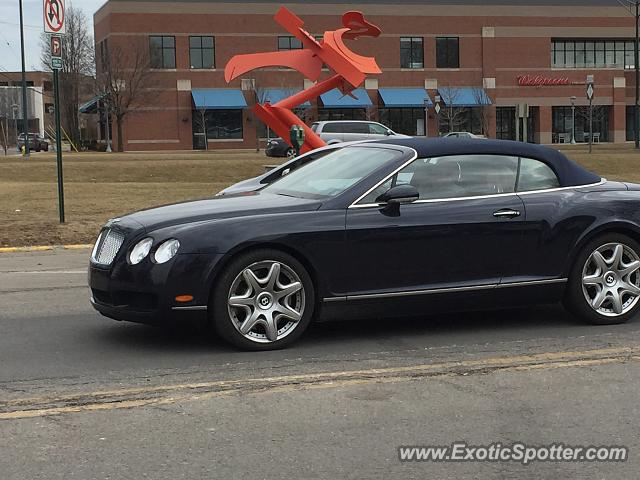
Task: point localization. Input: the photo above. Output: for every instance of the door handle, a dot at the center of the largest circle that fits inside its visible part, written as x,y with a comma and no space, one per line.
506,213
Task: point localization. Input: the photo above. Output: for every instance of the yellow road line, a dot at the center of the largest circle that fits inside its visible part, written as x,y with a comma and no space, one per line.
25,249
167,394
43,248
79,246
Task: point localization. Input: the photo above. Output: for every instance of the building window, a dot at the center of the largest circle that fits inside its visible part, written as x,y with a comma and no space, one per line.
202,52
325,114
592,54
506,123
219,125
447,52
411,52
289,43
408,121
162,51
562,123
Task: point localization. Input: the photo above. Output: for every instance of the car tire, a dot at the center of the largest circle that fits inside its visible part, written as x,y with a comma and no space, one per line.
261,292
290,153
599,278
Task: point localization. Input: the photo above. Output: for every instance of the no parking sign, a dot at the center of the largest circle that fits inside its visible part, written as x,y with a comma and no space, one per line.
54,16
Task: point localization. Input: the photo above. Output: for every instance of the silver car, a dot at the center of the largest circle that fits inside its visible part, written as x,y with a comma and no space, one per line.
336,131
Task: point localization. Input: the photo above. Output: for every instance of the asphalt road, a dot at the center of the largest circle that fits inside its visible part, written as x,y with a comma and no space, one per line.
82,396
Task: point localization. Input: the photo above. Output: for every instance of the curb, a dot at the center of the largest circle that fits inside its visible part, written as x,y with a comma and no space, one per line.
44,248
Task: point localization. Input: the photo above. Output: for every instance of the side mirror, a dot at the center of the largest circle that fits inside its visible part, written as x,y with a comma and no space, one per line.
389,133
399,195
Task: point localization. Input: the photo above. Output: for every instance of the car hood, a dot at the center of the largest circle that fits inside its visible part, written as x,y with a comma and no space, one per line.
228,206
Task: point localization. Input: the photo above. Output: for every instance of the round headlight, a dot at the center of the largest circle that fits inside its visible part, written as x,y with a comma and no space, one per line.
140,251
166,251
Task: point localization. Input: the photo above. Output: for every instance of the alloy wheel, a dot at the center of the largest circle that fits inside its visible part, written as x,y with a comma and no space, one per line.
266,301
611,279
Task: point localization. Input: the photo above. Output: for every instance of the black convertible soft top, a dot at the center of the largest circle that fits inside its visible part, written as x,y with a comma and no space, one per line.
569,173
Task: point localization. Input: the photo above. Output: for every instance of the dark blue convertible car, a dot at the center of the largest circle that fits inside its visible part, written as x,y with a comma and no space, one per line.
398,227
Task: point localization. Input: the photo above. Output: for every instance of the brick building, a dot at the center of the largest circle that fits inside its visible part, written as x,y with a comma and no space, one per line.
505,68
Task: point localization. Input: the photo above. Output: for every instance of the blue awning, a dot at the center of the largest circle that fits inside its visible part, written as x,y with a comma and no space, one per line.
405,97
464,96
274,95
336,99
218,98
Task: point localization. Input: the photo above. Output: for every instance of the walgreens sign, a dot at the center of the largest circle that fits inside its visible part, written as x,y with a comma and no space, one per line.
540,81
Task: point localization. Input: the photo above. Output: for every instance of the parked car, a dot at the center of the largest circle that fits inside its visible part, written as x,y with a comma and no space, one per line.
256,183
387,228
277,147
36,142
336,131
462,135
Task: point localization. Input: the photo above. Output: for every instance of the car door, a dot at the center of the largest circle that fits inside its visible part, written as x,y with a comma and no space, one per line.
377,131
551,229
463,232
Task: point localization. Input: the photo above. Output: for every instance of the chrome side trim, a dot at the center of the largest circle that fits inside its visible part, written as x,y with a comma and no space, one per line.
476,197
445,290
190,307
532,282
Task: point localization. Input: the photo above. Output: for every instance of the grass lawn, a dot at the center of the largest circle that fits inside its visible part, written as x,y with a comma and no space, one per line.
99,186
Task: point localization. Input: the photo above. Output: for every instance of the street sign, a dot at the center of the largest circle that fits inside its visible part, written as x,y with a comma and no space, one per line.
590,90
54,16
56,46
56,63
437,108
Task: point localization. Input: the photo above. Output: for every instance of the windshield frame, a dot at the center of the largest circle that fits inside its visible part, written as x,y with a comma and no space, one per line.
401,153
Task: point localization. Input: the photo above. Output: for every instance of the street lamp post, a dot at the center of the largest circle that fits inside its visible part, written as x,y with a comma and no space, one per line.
573,120
426,116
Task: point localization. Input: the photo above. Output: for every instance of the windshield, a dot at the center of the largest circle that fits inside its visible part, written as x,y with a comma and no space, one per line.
332,174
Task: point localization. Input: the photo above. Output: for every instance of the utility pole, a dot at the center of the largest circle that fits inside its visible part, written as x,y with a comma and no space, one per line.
25,110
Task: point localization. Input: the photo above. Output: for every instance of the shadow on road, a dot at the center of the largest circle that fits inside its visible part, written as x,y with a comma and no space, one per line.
511,324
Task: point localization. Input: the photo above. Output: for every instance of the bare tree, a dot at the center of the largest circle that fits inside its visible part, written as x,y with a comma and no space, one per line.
452,115
124,79
78,64
483,102
200,122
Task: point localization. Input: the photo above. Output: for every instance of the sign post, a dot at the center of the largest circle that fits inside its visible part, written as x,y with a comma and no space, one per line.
590,93
437,109
54,24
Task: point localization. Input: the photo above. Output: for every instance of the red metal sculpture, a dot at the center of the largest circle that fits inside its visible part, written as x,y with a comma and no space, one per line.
350,69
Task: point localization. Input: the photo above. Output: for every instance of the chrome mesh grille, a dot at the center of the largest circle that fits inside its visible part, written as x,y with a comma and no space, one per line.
107,246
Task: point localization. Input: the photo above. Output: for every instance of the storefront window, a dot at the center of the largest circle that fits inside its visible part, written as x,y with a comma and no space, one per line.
462,119
408,121
325,114
219,124
562,124
506,123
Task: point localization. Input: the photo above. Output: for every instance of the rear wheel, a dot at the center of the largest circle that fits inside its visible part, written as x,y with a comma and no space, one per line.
264,300
604,285
290,153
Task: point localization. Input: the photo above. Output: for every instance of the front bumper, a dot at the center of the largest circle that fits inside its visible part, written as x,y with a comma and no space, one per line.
145,293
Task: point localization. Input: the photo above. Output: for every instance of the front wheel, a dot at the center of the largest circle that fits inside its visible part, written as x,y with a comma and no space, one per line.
264,300
290,153
604,285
